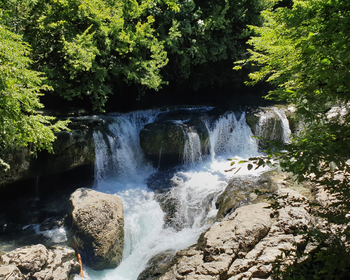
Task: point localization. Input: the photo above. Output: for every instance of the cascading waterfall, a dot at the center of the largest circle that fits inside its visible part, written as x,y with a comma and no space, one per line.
101,153
196,186
121,157
281,113
266,128
192,151
273,125
230,136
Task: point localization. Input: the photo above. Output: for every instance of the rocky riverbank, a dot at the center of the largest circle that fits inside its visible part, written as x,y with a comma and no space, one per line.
39,262
245,244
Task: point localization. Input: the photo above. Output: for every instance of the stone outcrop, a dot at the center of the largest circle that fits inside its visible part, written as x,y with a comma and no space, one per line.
247,242
98,223
38,262
156,266
163,141
240,191
72,149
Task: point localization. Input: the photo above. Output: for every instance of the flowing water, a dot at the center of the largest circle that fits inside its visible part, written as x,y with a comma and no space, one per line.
122,169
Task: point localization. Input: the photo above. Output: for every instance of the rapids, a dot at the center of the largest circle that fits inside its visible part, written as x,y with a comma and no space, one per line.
122,169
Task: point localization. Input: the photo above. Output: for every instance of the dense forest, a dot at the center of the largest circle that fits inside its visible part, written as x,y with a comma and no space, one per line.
92,50
95,50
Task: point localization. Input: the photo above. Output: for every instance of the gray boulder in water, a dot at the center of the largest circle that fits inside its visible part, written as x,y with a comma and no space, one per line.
98,223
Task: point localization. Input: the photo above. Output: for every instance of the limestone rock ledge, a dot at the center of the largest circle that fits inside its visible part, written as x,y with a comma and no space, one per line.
39,262
98,223
246,243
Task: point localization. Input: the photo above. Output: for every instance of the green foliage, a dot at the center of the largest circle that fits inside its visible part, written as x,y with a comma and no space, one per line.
206,36
328,260
94,48
20,89
303,50
89,47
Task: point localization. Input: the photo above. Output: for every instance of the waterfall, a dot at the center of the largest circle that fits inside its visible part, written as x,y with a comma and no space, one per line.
122,169
101,153
121,156
281,113
232,137
192,150
273,125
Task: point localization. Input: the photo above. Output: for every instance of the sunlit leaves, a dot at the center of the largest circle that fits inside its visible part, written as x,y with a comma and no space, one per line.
20,89
302,51
90,47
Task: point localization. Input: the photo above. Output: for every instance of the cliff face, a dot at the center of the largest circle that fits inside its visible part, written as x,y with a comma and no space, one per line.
73,150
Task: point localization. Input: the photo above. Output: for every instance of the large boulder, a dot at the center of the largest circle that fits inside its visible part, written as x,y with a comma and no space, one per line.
98,223
164,141
240,192
39,262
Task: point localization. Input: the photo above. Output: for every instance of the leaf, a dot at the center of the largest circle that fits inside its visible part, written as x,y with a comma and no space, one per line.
237,170
249,166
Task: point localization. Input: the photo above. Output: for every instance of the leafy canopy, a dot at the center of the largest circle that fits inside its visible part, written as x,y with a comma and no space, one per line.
209,35
87,48
97,48
20,89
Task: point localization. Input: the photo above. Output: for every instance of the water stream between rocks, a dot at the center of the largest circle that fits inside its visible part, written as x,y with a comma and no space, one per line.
165,210
122,169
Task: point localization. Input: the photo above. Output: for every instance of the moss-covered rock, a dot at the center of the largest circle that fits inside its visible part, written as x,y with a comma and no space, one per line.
72,149
267,123
157,266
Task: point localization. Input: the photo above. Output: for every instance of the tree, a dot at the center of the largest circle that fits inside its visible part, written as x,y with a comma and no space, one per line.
92,49
20,90
88,48
207,37
303,50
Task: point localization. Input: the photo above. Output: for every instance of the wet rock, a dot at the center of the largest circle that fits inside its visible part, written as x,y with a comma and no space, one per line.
163,141
267,122
72,149
157,266
39,262
98,223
